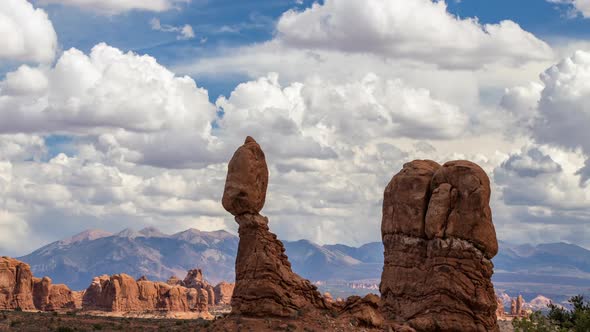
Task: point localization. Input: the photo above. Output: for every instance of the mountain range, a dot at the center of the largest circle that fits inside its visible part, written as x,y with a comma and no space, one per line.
556,270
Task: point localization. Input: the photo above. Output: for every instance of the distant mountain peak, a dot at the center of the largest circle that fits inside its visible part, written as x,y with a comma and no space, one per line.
194,235
87,235
147,232
152,232
127,232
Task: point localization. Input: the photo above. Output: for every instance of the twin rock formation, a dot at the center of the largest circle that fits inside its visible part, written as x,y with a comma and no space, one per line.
438,236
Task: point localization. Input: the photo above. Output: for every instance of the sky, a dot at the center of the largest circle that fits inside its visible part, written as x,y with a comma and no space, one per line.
124,113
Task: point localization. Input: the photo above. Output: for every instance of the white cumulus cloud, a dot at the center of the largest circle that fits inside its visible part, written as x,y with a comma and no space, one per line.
420,30
27,33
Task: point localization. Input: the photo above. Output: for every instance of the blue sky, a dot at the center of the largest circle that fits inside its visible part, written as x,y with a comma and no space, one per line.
101,128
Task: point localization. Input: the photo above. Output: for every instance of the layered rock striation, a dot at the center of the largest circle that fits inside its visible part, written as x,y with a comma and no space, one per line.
439,239
265,283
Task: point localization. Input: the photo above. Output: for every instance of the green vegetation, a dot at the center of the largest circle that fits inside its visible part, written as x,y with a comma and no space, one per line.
558,319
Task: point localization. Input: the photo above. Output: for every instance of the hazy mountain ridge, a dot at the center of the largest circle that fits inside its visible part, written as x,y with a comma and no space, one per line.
74,261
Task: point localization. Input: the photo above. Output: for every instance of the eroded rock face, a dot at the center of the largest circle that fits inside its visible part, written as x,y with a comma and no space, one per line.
519,305
247,179
173,281
122,293
439,238
50,297
365,311
193,279
223,292
16,285
500,310
265,284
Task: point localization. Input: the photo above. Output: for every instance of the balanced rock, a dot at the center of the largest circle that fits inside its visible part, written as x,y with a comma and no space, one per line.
265,283
247,180
16,285
439,238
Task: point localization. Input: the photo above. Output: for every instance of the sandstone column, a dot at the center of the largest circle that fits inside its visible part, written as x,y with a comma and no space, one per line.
439,238
265,284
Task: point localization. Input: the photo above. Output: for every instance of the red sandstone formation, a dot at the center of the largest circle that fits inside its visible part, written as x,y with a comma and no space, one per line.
265,284
223,292
364,312
117,293
500,310
247,179
439,238
194,279
49,297
519,305
19,289
173,281
121,293
16,285
513,310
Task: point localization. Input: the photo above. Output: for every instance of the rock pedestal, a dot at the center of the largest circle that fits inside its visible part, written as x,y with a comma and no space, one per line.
439,238
265,283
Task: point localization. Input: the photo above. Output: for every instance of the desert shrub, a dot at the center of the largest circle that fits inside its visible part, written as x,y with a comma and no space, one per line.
18,309
97,327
